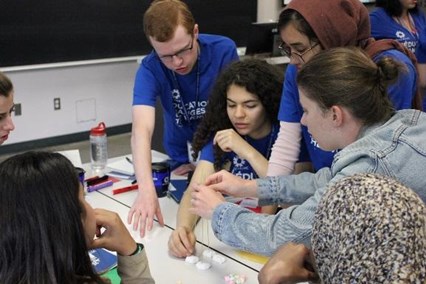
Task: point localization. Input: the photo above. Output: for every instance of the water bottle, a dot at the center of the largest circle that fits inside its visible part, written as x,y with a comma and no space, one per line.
98,148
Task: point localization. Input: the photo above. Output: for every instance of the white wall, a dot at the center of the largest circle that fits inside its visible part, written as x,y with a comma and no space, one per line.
268,10
88,93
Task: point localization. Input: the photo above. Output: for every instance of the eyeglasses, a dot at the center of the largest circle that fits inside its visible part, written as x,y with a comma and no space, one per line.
286,51
181,53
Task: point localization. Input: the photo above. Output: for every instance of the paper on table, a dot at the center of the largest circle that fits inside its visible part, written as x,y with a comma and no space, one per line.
73,156
123,166
253,256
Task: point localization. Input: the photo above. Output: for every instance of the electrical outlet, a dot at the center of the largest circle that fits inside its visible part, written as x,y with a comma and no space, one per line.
57,103
17,109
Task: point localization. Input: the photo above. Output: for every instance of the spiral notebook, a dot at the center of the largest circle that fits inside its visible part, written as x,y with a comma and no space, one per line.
123,167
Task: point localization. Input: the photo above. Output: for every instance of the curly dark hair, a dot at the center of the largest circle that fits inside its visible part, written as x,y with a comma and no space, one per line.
257,77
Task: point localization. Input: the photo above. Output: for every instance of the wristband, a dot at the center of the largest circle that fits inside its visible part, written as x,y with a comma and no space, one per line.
139,248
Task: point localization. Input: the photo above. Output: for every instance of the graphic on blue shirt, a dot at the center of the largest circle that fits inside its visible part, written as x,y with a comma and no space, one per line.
187,112
384,26
241,167
154,79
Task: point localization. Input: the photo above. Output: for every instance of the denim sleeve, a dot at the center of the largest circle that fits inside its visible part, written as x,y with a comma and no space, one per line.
259,233
293,189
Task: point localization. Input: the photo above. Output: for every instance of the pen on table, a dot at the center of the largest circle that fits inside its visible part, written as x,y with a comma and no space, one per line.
129,160
125,189
100,185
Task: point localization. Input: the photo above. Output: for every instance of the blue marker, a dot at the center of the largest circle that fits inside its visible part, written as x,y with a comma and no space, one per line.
99,186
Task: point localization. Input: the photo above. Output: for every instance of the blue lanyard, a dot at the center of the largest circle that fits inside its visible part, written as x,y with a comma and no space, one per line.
177,99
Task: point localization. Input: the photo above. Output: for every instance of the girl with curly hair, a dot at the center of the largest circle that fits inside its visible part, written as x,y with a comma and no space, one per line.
236,134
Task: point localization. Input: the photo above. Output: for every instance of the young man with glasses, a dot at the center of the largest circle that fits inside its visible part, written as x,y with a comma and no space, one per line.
180,70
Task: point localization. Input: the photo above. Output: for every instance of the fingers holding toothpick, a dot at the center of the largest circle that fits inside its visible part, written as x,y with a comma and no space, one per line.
204,200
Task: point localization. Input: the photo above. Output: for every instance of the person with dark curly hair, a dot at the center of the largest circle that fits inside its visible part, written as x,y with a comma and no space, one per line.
236,134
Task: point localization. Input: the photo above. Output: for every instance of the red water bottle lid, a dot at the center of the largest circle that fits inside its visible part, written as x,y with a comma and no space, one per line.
98,130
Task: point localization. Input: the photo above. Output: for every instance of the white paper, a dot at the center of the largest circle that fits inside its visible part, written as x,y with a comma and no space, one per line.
122,166
73,156
125,167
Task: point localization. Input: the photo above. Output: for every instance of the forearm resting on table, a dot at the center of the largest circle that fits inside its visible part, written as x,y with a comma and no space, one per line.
184,217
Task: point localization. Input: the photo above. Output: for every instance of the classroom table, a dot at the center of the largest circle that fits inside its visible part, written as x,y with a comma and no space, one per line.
164,267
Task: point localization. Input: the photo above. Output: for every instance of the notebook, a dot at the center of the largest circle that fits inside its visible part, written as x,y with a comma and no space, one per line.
102,260
123,168
180,185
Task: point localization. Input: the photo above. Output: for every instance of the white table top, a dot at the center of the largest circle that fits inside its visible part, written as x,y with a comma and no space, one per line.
168,269
156,240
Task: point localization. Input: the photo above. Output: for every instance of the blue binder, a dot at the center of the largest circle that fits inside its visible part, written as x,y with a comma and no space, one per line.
102,260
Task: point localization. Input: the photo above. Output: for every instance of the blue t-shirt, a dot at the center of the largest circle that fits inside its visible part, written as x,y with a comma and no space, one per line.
384,26
241,167
182,114
401,94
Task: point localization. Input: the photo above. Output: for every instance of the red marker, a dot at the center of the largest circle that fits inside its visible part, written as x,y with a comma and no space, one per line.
125,189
